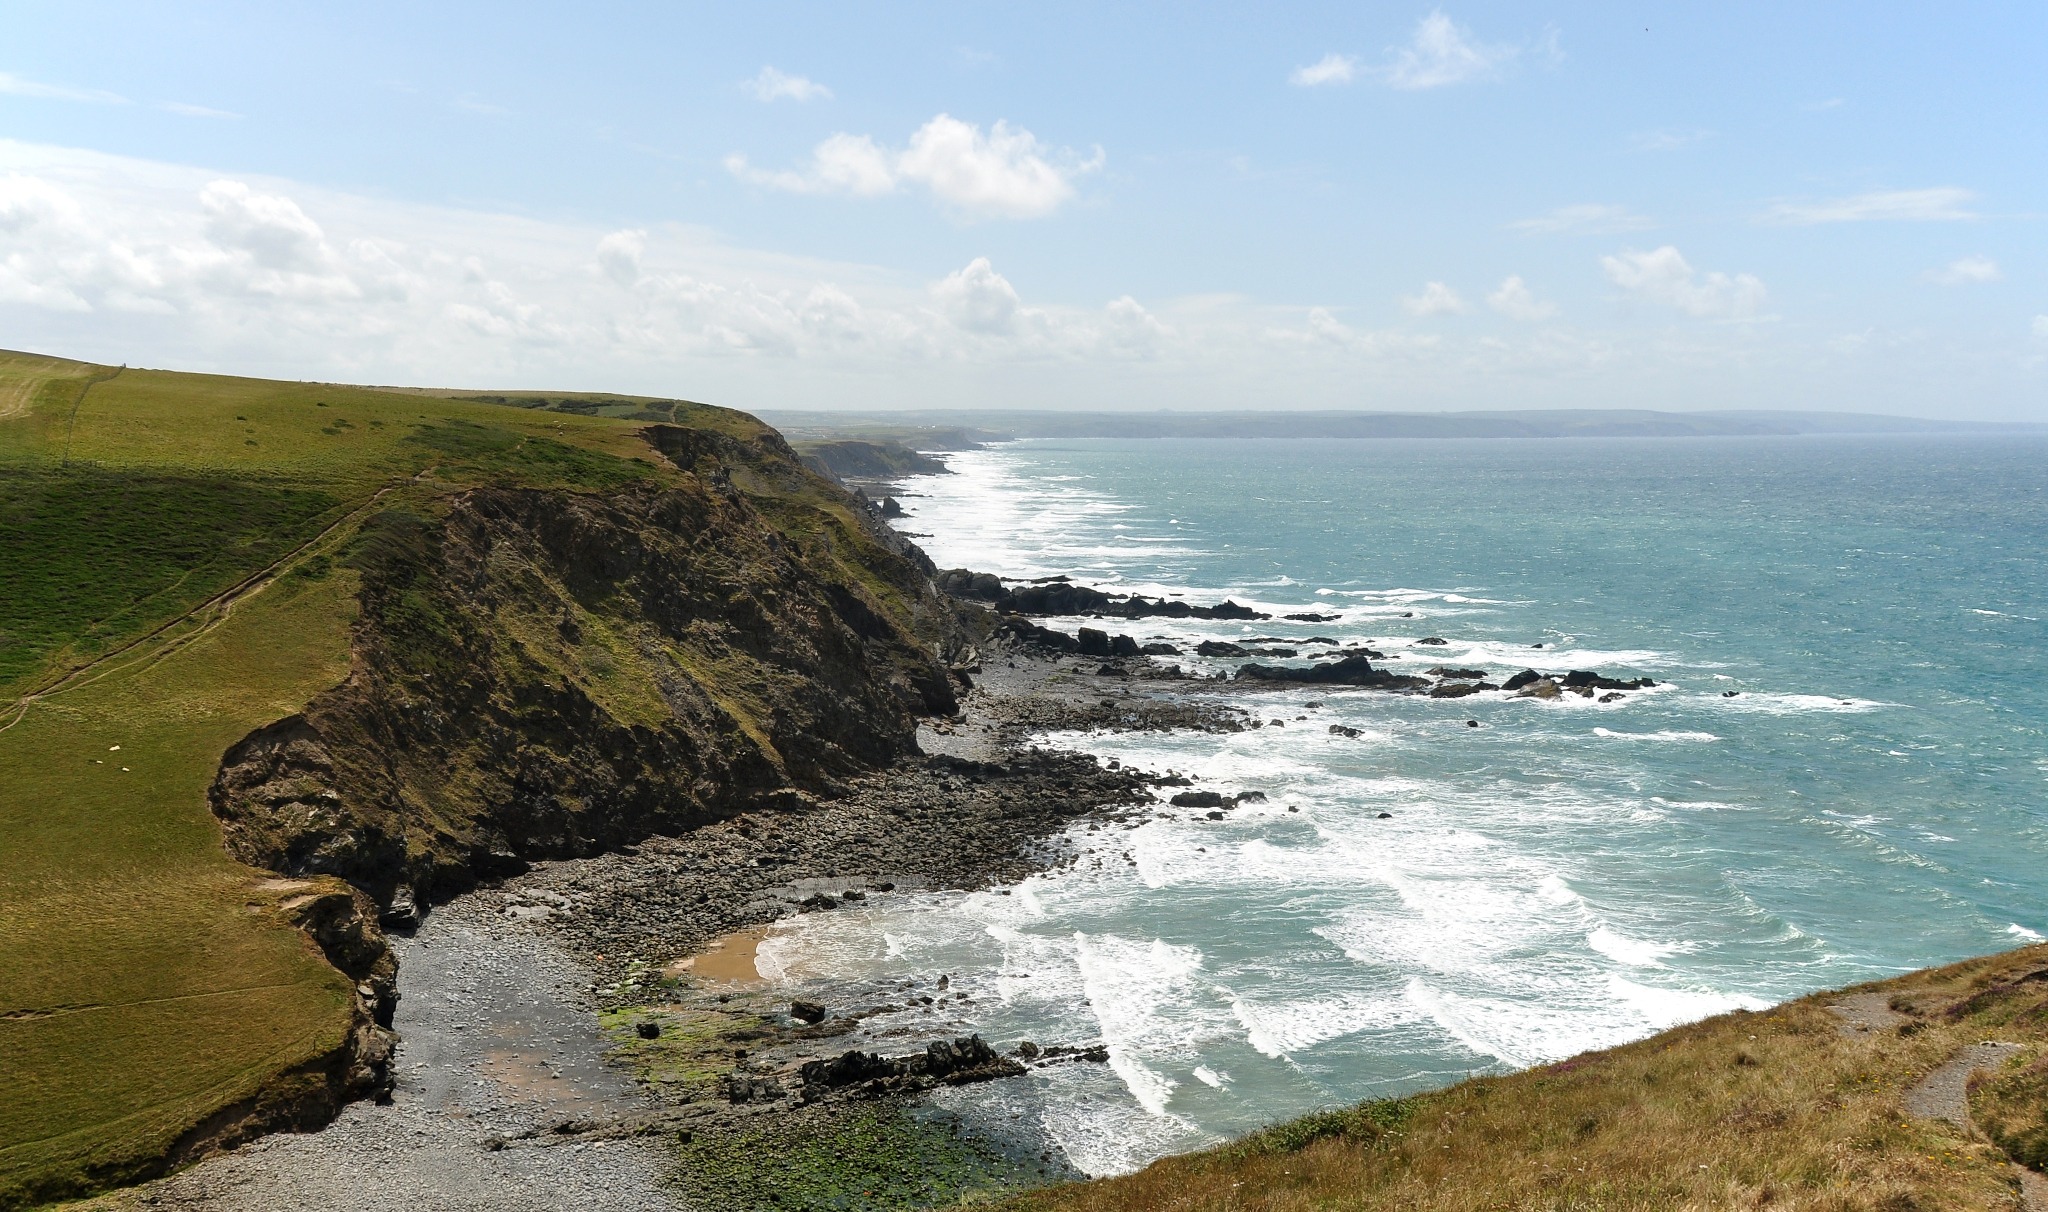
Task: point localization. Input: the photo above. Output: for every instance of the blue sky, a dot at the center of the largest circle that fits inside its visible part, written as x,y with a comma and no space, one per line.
1364,206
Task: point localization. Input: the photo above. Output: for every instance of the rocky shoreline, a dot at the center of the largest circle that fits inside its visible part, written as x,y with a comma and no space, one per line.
547,1013
636,1075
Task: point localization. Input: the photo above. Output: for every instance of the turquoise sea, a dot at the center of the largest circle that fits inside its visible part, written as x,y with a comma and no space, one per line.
1569,875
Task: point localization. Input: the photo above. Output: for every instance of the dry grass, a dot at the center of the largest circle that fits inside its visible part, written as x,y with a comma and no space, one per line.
1777,1110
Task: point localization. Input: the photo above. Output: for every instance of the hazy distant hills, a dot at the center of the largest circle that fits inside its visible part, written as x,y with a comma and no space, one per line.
1549,423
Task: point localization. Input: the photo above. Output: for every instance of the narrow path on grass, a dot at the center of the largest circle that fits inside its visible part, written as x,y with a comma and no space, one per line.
215,609
1945,1093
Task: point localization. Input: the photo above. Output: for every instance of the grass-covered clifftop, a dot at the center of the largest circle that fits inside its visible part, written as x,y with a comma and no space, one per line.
1793,1108
433,636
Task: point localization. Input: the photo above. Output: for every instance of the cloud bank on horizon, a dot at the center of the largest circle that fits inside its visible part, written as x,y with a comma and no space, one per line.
1470,216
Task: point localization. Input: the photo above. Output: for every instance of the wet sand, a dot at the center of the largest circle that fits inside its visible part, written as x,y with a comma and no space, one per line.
727,960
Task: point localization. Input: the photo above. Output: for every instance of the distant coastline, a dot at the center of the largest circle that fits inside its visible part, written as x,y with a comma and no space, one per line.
954,425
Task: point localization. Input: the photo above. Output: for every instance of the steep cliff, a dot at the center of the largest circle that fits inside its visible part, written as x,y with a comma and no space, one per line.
542,673
434,637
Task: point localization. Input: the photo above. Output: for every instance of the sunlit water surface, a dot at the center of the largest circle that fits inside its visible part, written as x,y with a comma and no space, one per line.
1567,876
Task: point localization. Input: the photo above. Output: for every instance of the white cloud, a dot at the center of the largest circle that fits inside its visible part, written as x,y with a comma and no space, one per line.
470,103
1515,301
842,164
1585,218
272,230
774,85
619,253
978,299
115,259
1663,276
1441,53
1001,173
1945,204
1436,299
1128,327
183,110
1965,270
1330,69
16,86
2041,328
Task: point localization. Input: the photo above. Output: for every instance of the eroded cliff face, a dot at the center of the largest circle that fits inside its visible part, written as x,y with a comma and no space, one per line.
549,673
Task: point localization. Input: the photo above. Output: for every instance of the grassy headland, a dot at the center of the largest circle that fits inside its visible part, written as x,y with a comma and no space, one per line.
186,559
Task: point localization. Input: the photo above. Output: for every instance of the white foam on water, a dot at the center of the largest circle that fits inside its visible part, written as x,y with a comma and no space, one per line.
1795,704
1661,1008
772,958
2020,931
1150,1089
1103,1136
1637,953
1280,1029
1209,1077
1664,734
1517,1033
1130,987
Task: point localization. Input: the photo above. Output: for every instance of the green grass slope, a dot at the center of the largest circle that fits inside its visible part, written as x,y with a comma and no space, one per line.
177,568
1783,1109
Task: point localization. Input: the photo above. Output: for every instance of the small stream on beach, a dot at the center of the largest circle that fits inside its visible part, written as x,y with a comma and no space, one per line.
1428,899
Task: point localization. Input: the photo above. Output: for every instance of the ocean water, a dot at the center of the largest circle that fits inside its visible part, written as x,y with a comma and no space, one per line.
1568,875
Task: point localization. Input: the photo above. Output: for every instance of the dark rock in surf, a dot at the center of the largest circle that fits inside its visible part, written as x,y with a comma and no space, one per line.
1349,671
1586,678
1060,596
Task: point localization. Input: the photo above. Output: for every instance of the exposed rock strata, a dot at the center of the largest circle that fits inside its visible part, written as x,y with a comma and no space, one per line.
545,673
